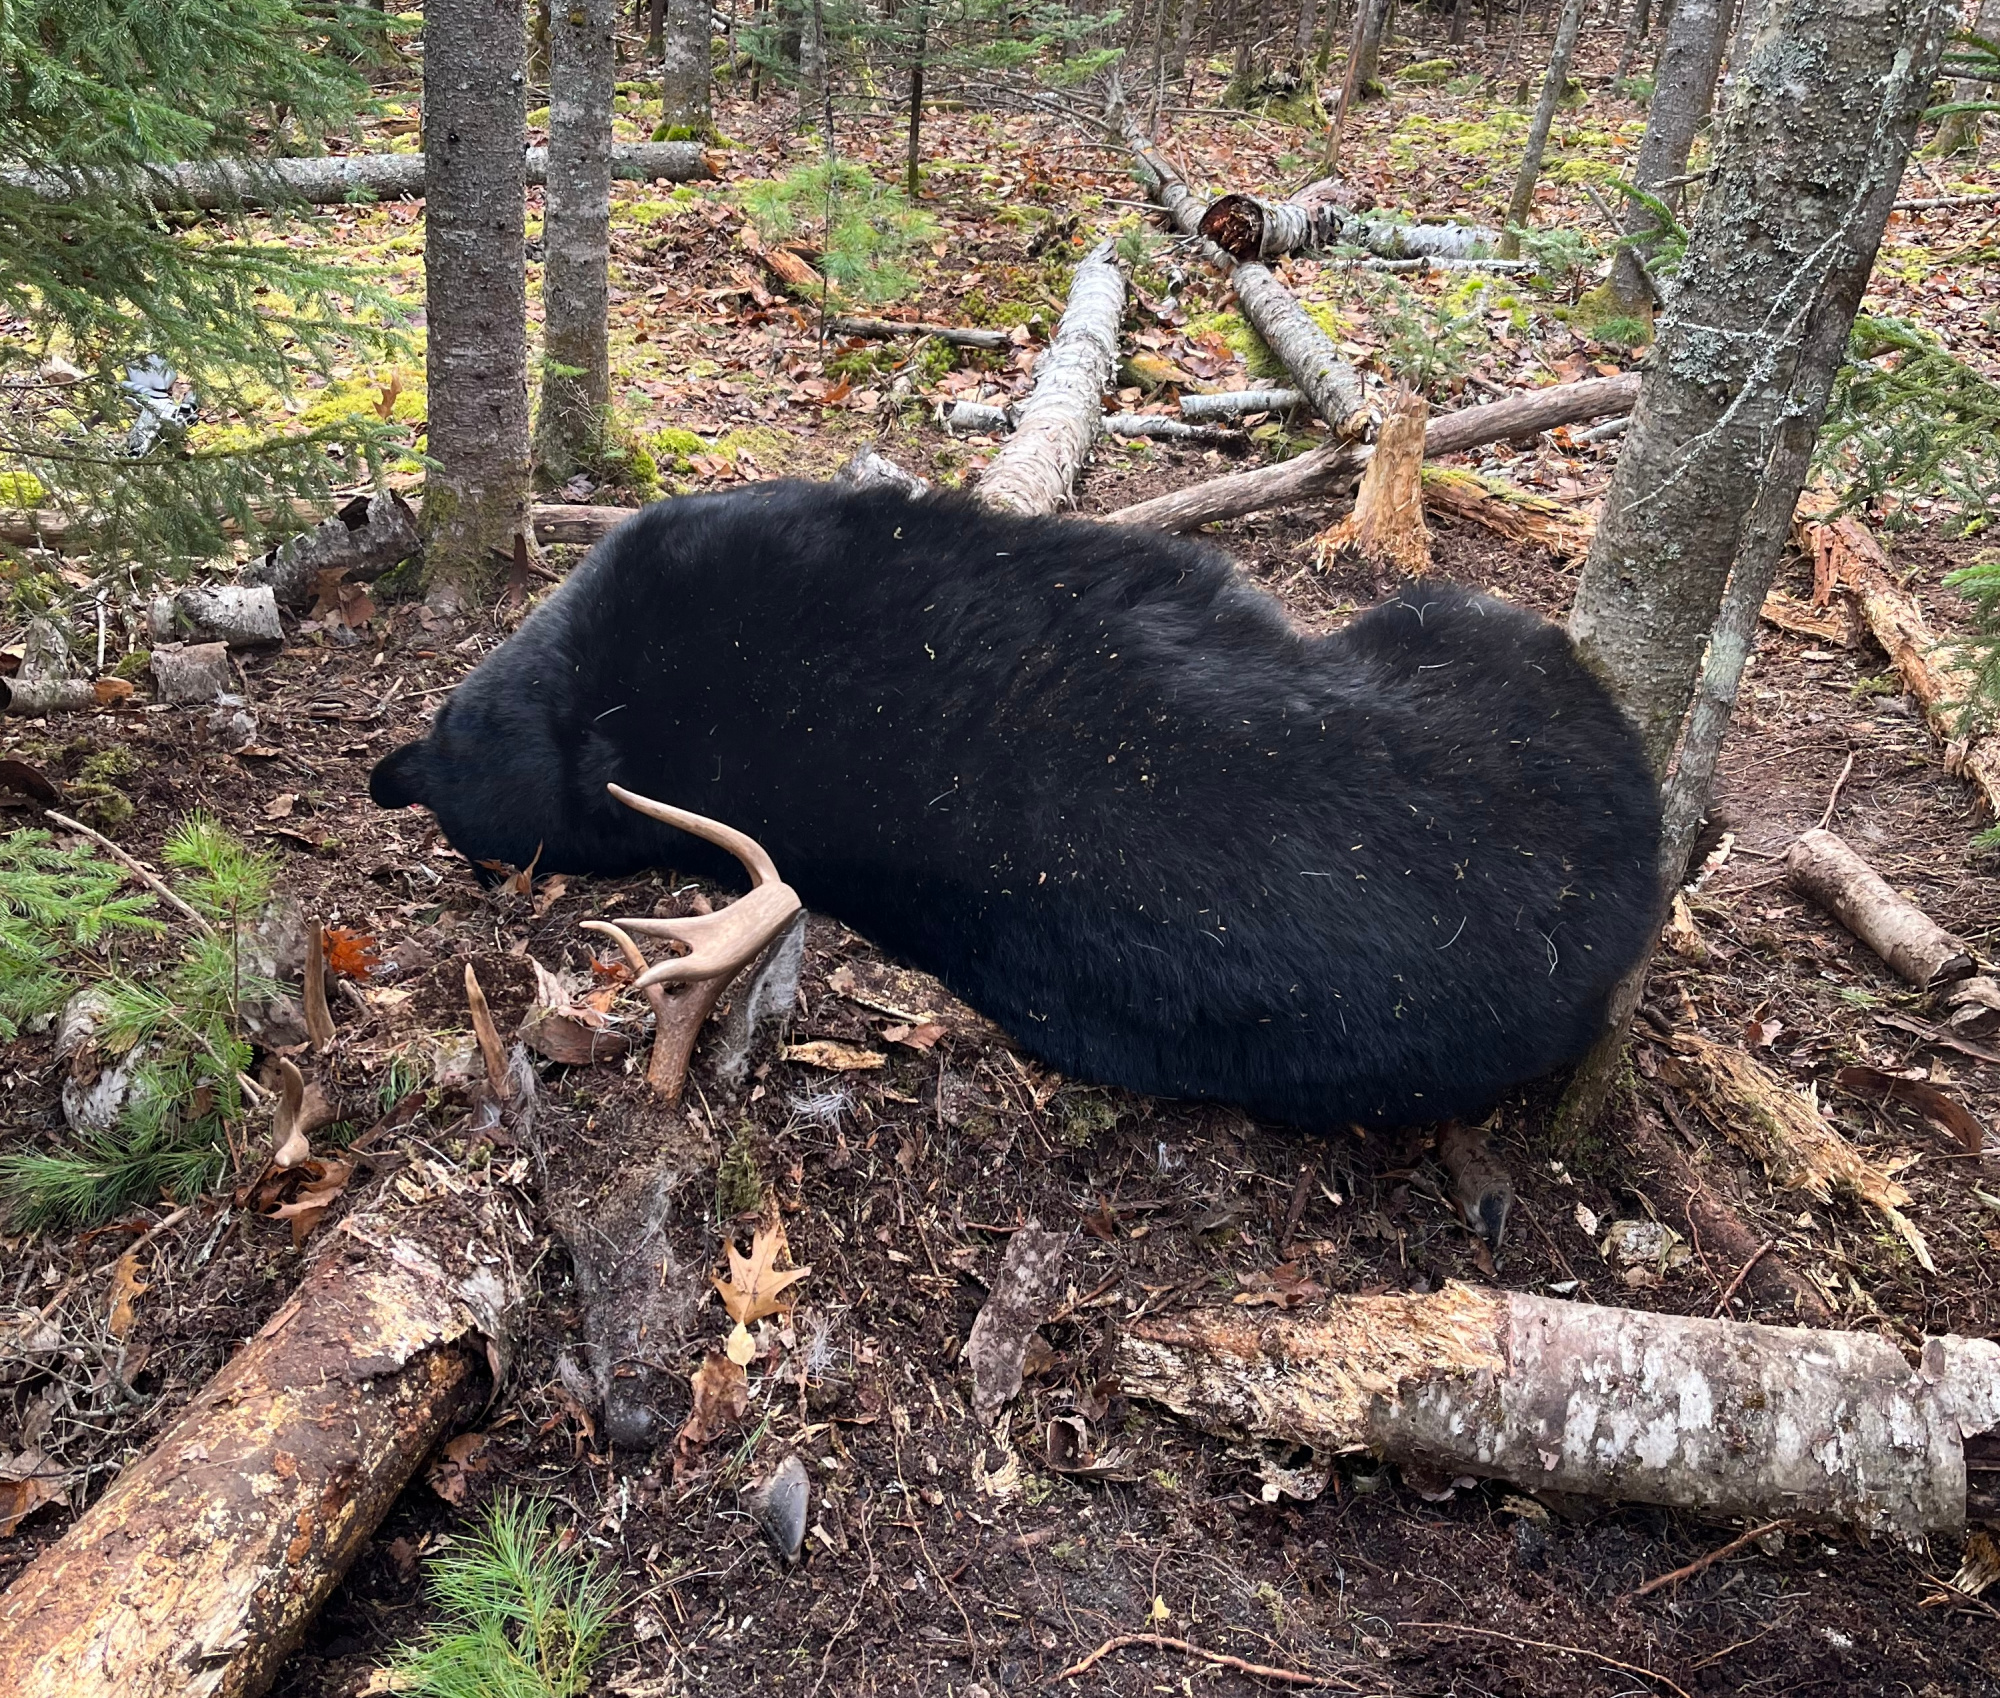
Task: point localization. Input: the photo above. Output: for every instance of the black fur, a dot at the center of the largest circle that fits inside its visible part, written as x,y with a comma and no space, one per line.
1097,783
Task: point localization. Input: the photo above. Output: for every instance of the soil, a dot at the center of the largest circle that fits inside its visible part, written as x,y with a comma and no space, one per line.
899,1188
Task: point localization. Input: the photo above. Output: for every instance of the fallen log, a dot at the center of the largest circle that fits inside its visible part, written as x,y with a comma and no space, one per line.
1719,1417
229,184
1248,227
1847,558
881,329
988,420
1516,514
1824,869
200,1569
1037,467
1325,471
1307,352
1240,403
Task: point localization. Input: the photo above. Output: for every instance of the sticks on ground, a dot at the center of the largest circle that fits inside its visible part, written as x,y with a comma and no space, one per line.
1823,868
1326,471
960,336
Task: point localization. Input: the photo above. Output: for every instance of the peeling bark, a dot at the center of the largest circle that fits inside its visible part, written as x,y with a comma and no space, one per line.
368,536
1329,470
1245,227
230,184
1713,1416
200,1569
475,291
1516,514
1035,471
573,419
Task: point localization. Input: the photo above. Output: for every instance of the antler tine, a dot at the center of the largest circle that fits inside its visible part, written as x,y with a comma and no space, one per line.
758,863
634,956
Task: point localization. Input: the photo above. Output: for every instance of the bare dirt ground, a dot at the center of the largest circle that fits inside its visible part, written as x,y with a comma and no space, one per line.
899,1187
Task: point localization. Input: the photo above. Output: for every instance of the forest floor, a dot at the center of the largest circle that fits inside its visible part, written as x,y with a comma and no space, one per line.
898,1186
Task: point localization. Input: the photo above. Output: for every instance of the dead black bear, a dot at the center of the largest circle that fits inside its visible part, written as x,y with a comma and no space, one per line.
1095,782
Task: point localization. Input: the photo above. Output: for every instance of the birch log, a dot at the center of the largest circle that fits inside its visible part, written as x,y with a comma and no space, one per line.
1324,471
197,1573
225,185
1037,467
1718,1417
1248,227
1822,867
1328,382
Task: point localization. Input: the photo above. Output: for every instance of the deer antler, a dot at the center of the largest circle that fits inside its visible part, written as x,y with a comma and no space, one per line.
718,945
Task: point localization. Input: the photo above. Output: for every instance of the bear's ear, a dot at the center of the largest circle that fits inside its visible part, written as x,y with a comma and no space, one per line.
398,780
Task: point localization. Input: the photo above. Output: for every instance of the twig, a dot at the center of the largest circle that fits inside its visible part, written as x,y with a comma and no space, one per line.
1736,1284
1549,1645
1687,1571
1835,797
1160,1641
152,881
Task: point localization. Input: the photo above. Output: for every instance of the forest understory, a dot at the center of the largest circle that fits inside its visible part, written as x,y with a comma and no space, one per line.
904,1141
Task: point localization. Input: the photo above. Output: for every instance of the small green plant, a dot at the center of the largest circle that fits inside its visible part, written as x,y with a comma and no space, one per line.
865,228
177,1031
1426,341
523,1616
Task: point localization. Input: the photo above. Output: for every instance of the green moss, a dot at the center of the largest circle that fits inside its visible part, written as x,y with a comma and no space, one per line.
102,805
108,766
739,1186
20,489
682,132
674,448
1427,71
135,666
1083,1115
762,443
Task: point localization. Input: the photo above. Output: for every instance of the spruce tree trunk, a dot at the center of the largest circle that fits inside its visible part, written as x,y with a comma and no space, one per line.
685,113
1959,132
576,235
1523,199
923,29
1806,168
1368,53
812,60
1683,87
475,285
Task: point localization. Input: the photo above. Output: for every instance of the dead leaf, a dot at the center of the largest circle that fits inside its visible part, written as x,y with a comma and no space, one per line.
489,1037
109,690
721,1400
450,1475
755,1287
835,1057
319,1018
1284,1286
1021,1299
325,1180
552,891
28,781
921,1037
27,1482
280,807
352,955
1939,1107
1761,1034
126,1285
564,1039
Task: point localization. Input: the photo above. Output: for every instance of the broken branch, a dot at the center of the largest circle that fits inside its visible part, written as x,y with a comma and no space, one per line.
1821,867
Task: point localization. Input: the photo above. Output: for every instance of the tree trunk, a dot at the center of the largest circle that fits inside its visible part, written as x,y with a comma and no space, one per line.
1523,199
1457,36
912,153
1683,87
1722,437
1037,468
1635,32
1959,131
1805,171
202,1566
1302,37
1185,12
1373,17
571,426
1714,1416
230,184
685,113
812,60
476,300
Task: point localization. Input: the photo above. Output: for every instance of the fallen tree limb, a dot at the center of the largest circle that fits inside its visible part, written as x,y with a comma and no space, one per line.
1848,559
1037,467
1239,403
1824,869
881,329
1247,227
1324,471
1329,382
199,1570
1516,514
1719,1417
996,421
229,184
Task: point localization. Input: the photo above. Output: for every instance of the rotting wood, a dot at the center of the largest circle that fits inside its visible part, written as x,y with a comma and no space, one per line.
1329,470
961,336
1037,467
986,420
1329,382
1516,514
1719,1417
1801,619
1321,215
1386,526
1822,867
1847,558
229,184
198,1572
1799,1147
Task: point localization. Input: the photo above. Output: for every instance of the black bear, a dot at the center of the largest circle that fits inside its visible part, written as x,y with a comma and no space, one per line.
1097,783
